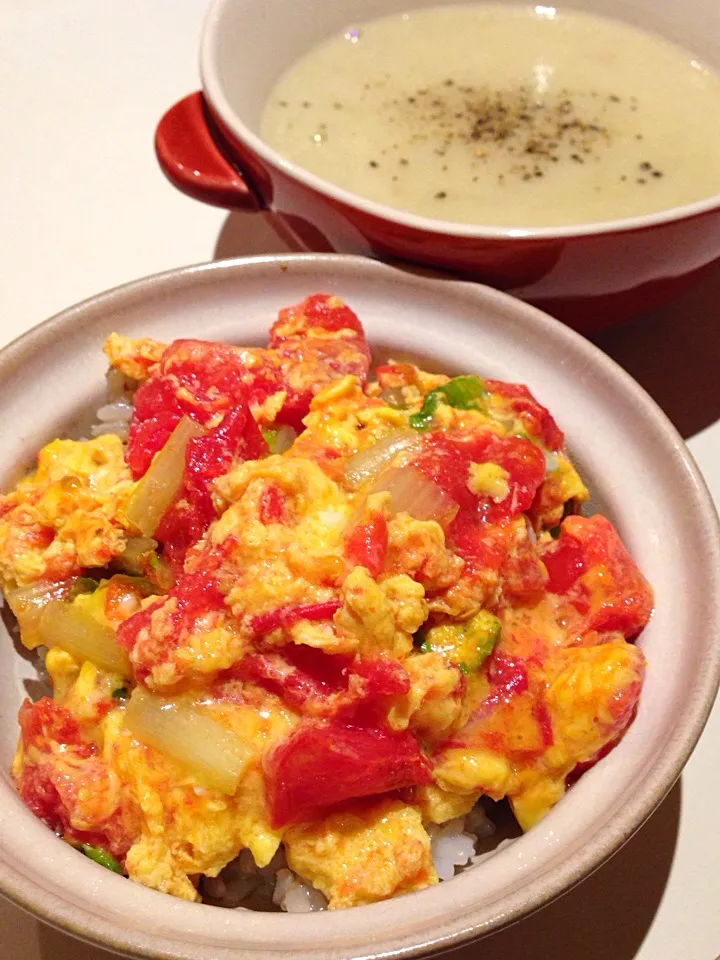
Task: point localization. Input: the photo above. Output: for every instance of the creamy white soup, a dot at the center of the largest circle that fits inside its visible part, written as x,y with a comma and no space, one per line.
503,115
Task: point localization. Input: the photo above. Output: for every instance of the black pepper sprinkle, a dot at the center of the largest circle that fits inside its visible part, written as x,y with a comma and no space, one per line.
645,165
641,180
403,161
623,177
533,133
440,195
374,164
657,173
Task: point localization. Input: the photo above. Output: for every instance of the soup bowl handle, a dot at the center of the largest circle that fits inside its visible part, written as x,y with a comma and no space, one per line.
189,150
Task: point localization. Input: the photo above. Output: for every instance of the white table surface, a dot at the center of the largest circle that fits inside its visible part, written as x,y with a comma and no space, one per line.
83,207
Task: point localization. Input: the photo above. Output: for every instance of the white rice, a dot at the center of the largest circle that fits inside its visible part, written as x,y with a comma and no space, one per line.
295,895
114,416
451,847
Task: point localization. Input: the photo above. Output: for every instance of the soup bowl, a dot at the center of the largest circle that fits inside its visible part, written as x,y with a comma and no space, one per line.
640,474
590,275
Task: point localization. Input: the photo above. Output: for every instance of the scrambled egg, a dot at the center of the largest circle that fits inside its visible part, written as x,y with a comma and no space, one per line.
66,515
364,854
320,650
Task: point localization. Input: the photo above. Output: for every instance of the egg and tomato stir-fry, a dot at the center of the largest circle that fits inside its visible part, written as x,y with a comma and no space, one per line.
301,607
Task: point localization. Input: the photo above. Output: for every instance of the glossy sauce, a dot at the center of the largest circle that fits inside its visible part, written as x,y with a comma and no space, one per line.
503,115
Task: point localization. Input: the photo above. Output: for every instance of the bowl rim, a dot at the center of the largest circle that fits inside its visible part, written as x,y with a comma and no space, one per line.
82,923
214,91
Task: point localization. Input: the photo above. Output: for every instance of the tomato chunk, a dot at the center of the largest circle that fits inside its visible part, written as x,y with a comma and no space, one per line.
237,437
537,419
316,315
272,505
367,545
590,566
304,677
195,378
60,775
46,722
324,763
286,616
312,343
151,634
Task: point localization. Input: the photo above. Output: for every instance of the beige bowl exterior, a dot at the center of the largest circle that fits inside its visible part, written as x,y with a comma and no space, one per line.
641,475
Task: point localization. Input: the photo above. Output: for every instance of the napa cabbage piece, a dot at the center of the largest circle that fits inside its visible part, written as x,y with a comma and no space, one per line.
414,493
365,465
83,636
178,728
28,603
158,487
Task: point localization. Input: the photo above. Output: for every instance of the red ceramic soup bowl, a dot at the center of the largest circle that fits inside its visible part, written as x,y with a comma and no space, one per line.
591,275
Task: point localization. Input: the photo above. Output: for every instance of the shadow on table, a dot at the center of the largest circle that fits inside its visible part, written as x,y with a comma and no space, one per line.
671,352
608,915
616,906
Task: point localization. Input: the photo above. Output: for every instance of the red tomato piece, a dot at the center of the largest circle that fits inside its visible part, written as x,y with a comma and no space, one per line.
564,563
307,365
272,505
325,685
447,461
50,794
129,630
537,418
302,676
382,676
49,787
508,675
47,722
315,314
590,566
324,763
151,633
367,545
314,342
371,683
391,376
286,616
194,378
522,574
39,793
237,437
524,463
